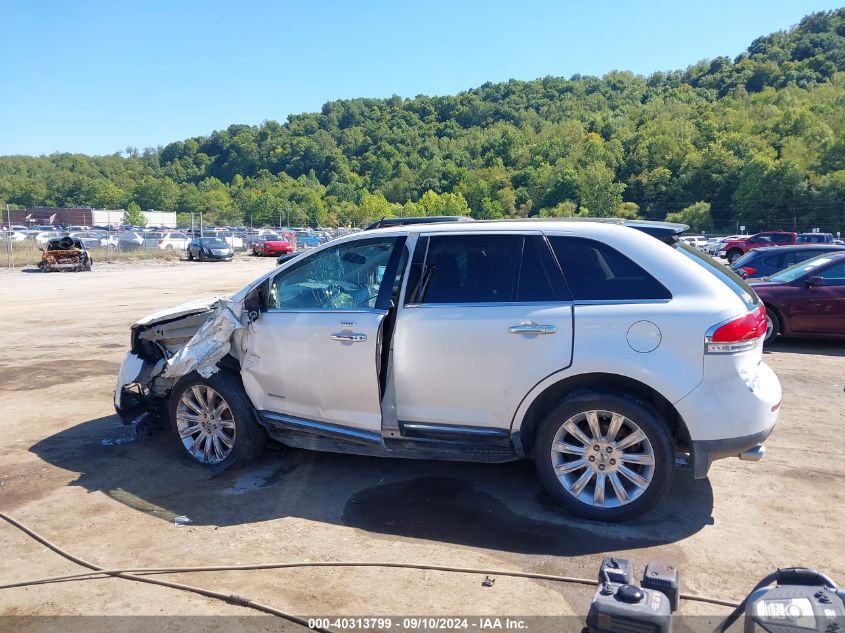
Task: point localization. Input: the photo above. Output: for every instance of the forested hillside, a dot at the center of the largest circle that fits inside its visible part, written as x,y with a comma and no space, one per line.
758,140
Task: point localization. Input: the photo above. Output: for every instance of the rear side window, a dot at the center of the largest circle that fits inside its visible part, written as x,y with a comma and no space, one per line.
781,239
483,269
596,271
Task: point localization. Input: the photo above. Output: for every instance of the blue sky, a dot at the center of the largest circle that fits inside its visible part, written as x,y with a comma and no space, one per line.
96,77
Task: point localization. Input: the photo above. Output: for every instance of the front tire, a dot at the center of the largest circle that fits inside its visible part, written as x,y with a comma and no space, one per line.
733,255
604,457
213,421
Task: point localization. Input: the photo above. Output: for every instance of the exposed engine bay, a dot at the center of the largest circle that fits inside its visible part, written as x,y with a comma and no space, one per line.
166,346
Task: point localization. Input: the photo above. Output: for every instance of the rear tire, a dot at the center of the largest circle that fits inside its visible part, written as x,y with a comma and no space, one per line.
773,326
213,421
190,256
603,456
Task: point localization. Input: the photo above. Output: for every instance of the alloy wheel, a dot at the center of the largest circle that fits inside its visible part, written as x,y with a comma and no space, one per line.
205,424
603,459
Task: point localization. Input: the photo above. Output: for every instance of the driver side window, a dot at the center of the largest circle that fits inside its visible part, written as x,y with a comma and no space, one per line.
345,277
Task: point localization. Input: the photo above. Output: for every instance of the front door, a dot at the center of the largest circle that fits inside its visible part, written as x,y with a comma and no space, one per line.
820,309
482,322
314,353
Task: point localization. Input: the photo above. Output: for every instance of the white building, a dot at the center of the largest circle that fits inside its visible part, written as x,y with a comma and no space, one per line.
114,217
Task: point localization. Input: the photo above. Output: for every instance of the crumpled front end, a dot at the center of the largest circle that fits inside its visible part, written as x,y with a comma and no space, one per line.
171,345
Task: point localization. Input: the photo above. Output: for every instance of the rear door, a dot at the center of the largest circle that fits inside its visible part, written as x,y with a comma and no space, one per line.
485,317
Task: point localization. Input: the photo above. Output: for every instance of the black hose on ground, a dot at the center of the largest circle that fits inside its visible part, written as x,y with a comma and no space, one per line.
142,574
228,598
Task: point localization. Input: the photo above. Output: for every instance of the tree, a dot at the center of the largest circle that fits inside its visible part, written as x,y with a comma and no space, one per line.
697,216
133,216
598,190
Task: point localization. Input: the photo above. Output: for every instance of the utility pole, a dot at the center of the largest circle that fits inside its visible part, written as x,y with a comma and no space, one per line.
9,234
192,225
201,234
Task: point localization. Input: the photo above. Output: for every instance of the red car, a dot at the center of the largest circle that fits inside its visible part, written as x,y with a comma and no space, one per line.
807,299
734,249
271,245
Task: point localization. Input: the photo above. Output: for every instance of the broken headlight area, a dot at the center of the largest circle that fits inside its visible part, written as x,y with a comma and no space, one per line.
172,345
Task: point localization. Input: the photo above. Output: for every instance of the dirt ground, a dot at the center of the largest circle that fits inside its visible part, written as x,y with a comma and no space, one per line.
69,470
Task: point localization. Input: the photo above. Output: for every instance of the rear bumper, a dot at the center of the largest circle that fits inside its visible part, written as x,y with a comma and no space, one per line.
705,452
729,416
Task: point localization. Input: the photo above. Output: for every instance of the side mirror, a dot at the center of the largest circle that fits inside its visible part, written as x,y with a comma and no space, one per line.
815,281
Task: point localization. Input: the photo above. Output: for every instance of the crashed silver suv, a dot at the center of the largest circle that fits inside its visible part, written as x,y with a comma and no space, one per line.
595,349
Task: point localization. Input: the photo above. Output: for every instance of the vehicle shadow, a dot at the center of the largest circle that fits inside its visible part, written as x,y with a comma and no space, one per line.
495,506
807,346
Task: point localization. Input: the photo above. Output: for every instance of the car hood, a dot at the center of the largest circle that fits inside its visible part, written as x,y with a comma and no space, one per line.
192,307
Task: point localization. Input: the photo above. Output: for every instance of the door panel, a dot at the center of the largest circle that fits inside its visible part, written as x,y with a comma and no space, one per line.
462,365
314,352
295,365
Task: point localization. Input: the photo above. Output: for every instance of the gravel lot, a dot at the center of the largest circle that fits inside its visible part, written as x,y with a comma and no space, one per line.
72,472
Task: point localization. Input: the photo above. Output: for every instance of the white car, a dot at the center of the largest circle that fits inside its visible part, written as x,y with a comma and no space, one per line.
594,349
696,241
173,241
234,240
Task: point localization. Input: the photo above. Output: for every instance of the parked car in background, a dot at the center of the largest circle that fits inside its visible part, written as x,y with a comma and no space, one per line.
209,248
75,228
42,237
734,249
696,241
715,244
761,262
234,240
806,299
271,245
307,239
594,349
815,238
92,239
129,240
172,241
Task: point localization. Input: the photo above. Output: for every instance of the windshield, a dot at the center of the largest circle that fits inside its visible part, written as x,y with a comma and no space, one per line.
795,271
213,242
272,238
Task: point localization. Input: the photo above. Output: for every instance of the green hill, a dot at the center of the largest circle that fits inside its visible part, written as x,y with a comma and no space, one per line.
757,140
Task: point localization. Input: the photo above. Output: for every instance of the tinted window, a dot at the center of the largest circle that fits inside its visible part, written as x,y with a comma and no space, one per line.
835,275
484,269
781,239
779,261
737,284
595,271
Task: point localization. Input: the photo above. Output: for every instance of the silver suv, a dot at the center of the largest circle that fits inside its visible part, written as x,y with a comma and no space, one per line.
597,350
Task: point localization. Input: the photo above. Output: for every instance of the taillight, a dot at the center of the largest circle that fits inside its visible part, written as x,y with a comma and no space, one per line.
161,241
748,271
737,335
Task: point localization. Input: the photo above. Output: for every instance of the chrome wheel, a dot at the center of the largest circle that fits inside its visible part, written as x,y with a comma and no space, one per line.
769,327
602,458
205,424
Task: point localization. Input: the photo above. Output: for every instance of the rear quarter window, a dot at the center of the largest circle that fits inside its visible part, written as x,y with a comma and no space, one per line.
727,276
595,271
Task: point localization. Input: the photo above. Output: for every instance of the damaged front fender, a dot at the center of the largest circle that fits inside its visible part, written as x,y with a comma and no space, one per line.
174,344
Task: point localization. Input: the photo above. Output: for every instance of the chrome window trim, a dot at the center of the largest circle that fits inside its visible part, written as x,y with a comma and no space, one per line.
490,304
326,311
604,302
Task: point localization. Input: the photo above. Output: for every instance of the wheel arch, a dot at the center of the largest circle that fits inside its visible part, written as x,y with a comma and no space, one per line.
771,307
525,432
